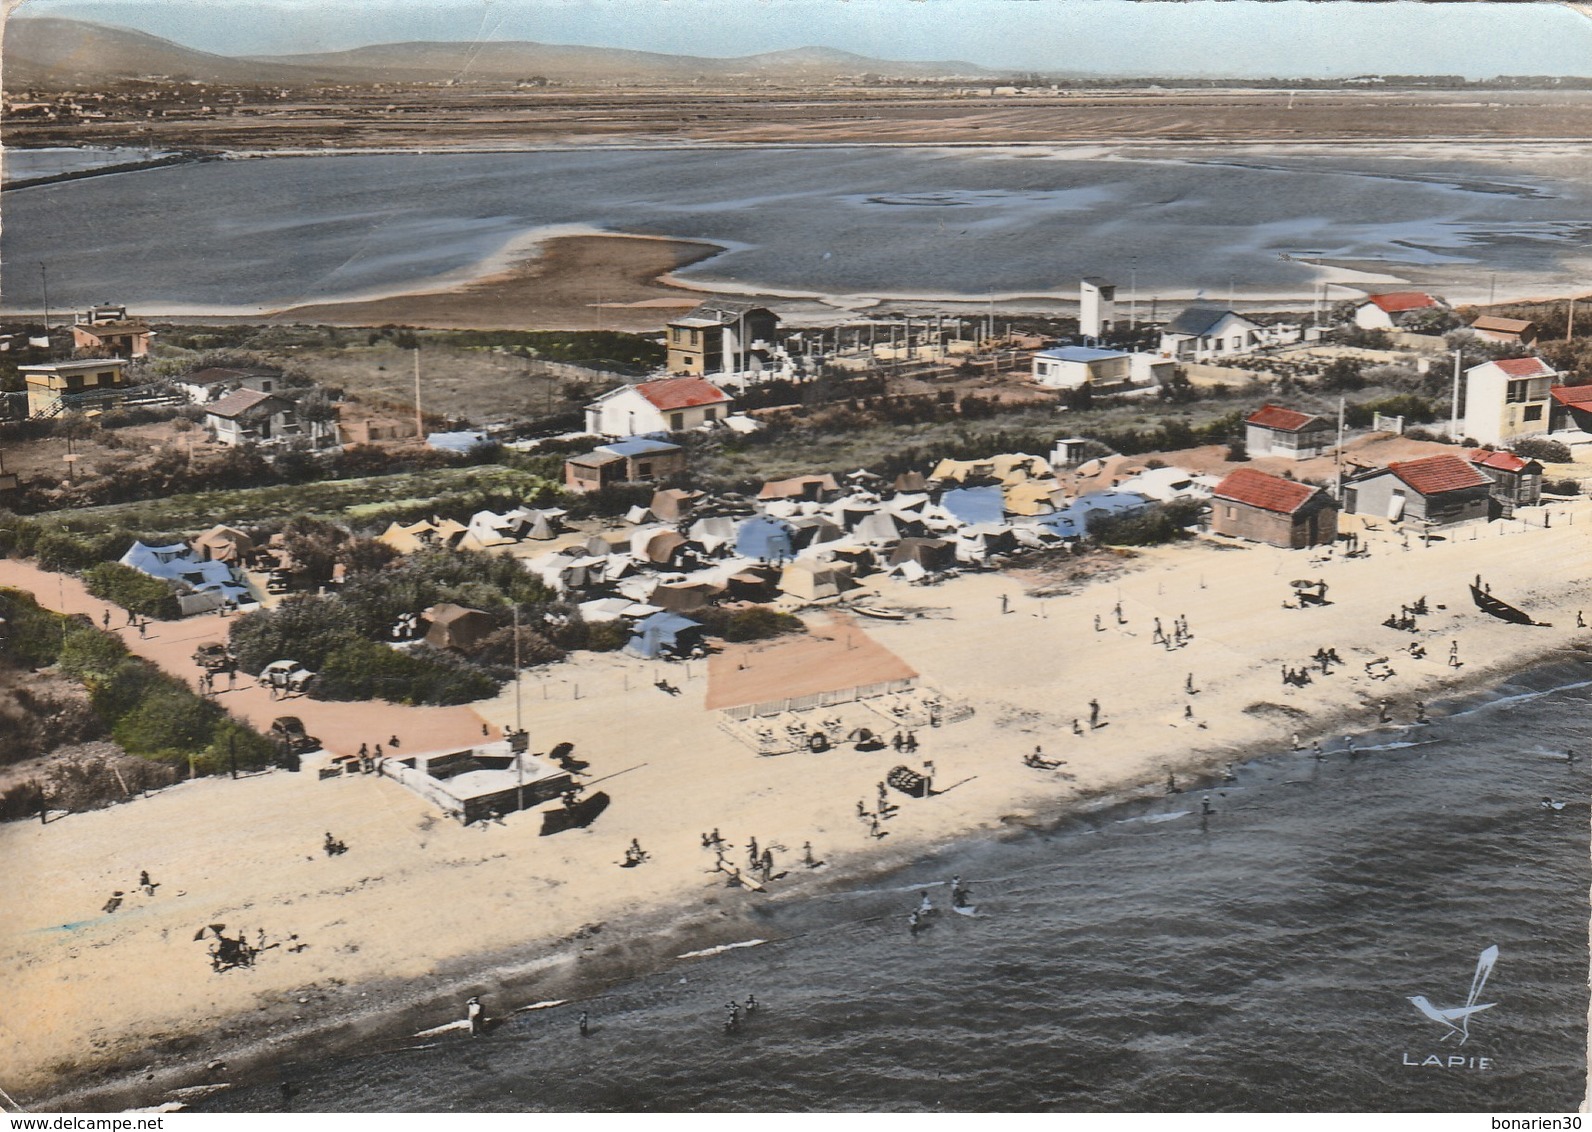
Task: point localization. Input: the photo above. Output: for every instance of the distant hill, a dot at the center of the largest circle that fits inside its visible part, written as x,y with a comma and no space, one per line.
50,52
432,61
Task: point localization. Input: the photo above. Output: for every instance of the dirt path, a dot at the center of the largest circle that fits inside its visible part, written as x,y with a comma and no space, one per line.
342,727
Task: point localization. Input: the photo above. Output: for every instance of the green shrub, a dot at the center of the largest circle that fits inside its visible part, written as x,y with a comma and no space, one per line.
132,590
754,623
1541,448
33,633
306,629
168,724
1158,524
364,670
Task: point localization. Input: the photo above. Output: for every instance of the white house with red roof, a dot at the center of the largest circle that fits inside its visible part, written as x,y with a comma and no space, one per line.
1251,504
1437,489
1508,399
1386,311
672,404
1272,430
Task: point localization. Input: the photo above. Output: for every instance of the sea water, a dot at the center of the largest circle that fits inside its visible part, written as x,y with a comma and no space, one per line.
850,221
1143,956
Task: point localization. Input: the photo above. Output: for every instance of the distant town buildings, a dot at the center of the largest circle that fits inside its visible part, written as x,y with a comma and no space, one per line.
1508,399
671,404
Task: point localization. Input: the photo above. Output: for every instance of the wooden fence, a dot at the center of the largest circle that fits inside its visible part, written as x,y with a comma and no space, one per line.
821,699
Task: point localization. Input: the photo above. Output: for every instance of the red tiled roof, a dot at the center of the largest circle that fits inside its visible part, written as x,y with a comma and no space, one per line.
1433,475
1503,461
1269,493
1395,302
681,393
1284,420
1525,367
1578,396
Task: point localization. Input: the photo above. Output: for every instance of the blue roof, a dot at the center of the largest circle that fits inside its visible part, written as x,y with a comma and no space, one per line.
1072,521
658,632
975,504
1080,354
765,538
638,446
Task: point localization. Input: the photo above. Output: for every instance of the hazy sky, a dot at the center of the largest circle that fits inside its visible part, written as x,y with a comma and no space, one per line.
1232,37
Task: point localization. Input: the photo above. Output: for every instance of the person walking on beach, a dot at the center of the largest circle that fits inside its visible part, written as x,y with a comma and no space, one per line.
1006,604
1099,628
1382,715
1188,685
1077,728
585,1021
751,852
1453,654
1094,713
1420,712
1294,743
1117,609
1318,752
106,620
474,1013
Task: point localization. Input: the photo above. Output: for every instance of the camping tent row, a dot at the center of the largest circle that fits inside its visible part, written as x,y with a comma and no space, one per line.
486,529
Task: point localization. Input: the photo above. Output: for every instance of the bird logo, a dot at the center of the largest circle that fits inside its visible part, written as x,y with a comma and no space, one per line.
1456,1019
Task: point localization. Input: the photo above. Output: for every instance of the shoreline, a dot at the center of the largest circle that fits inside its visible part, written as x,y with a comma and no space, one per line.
652,938
1123,764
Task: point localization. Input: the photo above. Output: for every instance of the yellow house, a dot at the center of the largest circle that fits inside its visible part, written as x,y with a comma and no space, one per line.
49,382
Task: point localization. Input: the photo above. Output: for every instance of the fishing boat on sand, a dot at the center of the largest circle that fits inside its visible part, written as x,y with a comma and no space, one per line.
1502,609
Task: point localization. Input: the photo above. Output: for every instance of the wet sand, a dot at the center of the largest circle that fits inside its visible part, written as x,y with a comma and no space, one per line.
421,912
564,283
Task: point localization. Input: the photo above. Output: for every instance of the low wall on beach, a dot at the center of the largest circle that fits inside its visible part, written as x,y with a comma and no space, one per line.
821,699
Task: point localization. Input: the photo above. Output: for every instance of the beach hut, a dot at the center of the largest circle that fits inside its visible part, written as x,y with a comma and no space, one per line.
765,539
665,634
457,627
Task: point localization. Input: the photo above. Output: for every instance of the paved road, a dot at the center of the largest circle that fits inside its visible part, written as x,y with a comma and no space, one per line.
342,727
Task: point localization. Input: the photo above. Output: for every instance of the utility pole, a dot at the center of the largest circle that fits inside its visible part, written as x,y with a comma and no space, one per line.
1453,424
420,428
1133,293
1569,321
1337,455
519,755
44,278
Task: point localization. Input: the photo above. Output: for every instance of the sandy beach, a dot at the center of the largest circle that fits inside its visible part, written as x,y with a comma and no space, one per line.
108,1010
562,283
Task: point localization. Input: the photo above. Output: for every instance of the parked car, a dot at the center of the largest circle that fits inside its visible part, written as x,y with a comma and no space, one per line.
289,733
285,676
